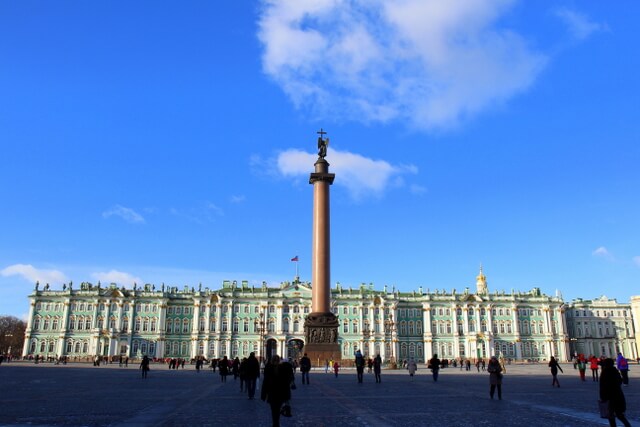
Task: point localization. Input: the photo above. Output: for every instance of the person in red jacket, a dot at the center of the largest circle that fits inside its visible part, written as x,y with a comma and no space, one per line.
594,362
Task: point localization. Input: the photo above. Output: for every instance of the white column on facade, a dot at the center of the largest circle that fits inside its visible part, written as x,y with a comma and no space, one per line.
547,320
207,326
61,349
196,318
194,347
490,319
279,319
219,314
454,331
94,317
107,314
427,333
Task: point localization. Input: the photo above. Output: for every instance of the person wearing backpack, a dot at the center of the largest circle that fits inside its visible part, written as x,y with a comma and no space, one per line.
623,367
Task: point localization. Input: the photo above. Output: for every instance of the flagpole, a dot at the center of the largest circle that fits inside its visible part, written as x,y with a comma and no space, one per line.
297,268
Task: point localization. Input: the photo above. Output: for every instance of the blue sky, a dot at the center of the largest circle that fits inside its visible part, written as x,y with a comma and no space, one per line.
172,142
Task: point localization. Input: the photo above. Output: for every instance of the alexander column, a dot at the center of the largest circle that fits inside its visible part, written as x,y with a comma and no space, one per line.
321,325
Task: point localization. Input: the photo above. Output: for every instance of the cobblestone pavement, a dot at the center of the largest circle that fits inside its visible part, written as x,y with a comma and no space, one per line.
82,395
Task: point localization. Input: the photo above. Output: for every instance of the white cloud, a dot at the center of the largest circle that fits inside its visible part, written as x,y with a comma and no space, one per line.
238,199
602,252
361,176
119,277
32,274
578,24
430,63
126,214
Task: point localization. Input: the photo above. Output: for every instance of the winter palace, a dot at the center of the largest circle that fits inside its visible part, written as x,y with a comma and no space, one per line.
238,318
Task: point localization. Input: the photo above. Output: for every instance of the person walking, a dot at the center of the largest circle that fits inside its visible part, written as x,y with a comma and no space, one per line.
434,365
251,374
276,388
336,368
326,366
554,366
223,368
305,367
412,366
359,362
495,377
377,368
623,367
144,366
593,364
242,374
235,368
582,367
611,391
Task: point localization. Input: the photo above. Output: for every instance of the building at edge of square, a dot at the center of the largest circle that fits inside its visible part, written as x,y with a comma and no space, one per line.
239,318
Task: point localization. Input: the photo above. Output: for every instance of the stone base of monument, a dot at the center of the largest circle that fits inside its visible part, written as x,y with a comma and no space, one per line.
321,336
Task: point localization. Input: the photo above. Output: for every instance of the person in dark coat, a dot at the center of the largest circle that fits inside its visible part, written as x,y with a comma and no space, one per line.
223,367
611,391
251,374
305,367
495,377
235,368
276,386
144,366
377,367
359,362
434,365
554,366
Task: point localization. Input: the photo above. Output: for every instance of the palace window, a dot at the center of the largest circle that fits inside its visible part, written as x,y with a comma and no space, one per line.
145,325
185,326
296,326
245,326
137,325
153,325
236,326
55,324
201,324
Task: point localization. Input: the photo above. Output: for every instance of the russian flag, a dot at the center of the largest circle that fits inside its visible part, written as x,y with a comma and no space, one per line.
295,258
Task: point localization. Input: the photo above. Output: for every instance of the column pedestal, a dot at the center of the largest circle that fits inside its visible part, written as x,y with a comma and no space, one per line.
321,335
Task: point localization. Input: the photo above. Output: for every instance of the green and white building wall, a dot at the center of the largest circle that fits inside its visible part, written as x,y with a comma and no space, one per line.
240,318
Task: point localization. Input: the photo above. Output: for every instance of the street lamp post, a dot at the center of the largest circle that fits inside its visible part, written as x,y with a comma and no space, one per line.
390,328
366,334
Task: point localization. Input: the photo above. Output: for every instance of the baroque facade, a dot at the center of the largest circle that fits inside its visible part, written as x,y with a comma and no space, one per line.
240,318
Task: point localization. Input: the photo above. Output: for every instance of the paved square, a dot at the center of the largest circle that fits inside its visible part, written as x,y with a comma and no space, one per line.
83,395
